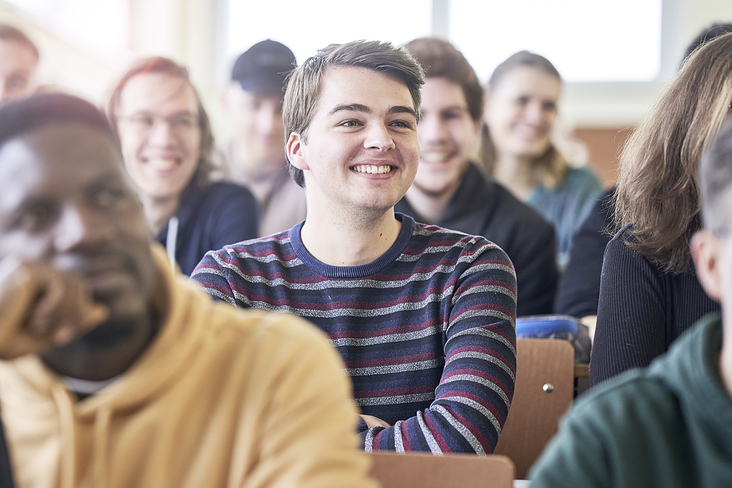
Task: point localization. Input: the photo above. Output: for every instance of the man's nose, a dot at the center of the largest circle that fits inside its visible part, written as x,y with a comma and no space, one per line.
379,137
161,133
430,129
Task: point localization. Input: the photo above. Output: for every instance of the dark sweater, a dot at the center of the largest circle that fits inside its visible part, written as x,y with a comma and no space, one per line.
641,310
426,331
579,286
209,218
668,426
483,207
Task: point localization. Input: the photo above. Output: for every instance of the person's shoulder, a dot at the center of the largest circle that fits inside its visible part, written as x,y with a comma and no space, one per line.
635,397
428,239
512,209
582,177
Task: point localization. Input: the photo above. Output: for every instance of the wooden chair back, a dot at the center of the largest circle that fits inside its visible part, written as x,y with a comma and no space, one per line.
544,392
423,470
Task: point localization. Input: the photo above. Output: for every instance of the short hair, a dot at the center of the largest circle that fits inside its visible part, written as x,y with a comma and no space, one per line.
9,33
715,178
548,169
23,115
440,59
658,180
303,85
165,66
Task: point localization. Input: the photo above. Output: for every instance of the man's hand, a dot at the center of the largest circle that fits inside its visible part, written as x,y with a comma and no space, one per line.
42,308
372,421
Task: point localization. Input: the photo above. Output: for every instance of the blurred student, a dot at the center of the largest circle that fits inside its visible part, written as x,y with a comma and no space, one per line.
520,111
450,191
18,63
579,286
649,292
255,154
668,425
424,317
167,146
114,372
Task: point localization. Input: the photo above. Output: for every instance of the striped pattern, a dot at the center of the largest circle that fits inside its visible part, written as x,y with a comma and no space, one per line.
426,330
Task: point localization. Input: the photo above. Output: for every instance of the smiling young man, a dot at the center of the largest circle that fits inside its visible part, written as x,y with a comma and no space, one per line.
423,316
114,372
450,191
167,146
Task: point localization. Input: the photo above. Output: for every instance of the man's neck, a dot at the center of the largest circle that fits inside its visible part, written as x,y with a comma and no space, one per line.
158,211
430,205
349,240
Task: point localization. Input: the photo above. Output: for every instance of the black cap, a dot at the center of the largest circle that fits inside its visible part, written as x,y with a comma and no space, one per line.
263,67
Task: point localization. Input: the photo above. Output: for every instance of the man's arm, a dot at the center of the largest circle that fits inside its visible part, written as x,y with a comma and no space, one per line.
42,308
475,390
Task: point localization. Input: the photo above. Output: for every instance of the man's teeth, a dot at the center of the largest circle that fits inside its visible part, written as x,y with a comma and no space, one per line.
435,157
372,169
162,164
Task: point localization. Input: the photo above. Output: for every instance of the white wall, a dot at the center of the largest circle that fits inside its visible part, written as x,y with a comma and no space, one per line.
192,32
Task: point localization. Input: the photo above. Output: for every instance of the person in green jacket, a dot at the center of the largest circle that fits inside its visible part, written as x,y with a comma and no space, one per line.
668,425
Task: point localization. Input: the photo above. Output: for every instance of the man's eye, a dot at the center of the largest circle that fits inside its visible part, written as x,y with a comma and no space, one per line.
34,218
402,124
350,123
183,122
142,121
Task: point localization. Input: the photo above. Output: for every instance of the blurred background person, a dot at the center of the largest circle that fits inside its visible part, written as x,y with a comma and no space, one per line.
167,146
255,154
450,191
578,292
18,63
520,113
649,292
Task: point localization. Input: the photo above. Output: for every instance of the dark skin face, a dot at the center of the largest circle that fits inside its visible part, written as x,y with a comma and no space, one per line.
74,236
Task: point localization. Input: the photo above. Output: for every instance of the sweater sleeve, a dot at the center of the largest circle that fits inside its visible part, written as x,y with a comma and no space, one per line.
631,316
474,393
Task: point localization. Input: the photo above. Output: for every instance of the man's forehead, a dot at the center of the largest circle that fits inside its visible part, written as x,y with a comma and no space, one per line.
152,92
342,84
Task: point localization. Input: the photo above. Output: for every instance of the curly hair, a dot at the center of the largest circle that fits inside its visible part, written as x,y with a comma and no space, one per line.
658,183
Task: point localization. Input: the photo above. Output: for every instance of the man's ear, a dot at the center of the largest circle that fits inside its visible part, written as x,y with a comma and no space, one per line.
706,249
296,149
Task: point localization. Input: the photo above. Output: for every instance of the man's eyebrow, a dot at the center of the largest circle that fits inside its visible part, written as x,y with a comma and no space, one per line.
353,107
401,109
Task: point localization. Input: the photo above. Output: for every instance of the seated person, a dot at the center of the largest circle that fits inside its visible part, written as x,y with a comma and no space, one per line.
522,97
114,372
668,425
255,154
449,189
167,145
424,317
18,64
578,292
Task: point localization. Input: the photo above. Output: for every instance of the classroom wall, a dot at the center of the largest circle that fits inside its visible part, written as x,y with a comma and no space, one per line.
191,32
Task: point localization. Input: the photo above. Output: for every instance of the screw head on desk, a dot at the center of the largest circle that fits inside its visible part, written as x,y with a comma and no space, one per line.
548,388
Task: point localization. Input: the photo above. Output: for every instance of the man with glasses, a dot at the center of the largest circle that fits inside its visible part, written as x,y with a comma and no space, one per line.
167,146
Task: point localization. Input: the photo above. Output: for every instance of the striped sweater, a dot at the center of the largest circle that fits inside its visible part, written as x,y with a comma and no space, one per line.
426,330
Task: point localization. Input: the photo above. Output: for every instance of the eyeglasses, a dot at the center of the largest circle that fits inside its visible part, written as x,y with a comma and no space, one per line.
179,123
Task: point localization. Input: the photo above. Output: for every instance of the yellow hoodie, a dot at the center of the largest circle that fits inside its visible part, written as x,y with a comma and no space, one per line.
221,398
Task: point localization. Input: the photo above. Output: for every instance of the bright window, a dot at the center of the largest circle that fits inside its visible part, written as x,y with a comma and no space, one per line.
587,40
306,26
